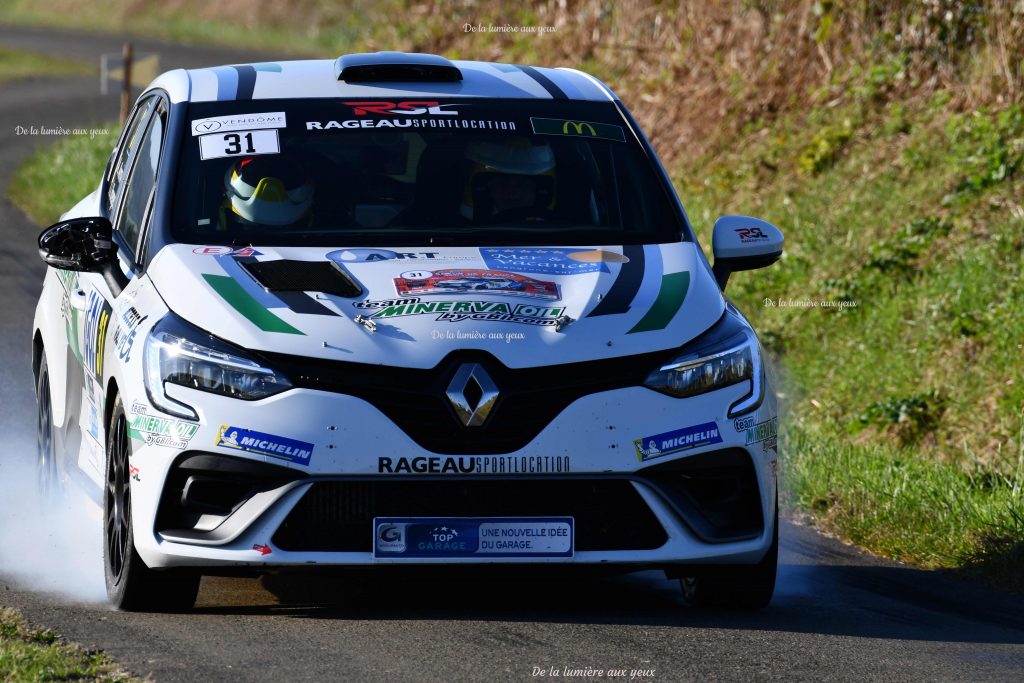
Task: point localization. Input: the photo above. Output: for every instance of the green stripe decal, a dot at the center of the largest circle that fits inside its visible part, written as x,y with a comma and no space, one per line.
244,303
670,299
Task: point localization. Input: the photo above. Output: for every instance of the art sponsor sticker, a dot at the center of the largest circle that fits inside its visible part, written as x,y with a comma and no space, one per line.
677,441
473,281
550,261
241,143
475,464
157,430
466,537
224,124
577,129
459,311
345,256
262,443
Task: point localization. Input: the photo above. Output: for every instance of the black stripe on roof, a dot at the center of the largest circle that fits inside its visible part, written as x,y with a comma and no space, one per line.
548,84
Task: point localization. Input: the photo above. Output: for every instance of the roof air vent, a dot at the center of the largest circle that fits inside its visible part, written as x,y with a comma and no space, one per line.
392,67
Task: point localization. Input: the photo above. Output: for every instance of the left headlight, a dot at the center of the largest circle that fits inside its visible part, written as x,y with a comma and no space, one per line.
179,353
726,354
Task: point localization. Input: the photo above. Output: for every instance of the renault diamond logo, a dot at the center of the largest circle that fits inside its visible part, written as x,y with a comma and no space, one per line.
472,394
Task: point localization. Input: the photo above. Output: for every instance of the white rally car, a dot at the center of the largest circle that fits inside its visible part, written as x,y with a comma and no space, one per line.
246,346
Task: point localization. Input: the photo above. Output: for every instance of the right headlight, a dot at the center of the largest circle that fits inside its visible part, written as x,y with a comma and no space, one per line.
726,354
179,353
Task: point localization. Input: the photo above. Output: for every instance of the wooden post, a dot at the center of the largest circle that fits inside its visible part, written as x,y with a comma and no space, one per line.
126,84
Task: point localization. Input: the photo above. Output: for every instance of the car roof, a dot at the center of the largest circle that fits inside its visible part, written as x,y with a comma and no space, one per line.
319,78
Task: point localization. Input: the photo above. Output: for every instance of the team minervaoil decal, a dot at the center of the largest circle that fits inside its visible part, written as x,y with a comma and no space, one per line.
458,311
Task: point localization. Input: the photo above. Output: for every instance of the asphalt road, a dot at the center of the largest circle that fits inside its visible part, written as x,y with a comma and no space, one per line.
838,614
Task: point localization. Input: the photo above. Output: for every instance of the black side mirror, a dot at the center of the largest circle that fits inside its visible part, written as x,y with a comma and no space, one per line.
84,245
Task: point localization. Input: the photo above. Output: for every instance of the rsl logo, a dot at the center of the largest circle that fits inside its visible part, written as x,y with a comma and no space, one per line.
578,127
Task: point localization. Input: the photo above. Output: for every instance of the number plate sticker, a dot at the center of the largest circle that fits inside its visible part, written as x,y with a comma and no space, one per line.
472,537
238,143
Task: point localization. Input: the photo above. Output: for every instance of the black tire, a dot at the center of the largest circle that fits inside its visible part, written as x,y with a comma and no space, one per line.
131,585
747,587
47,478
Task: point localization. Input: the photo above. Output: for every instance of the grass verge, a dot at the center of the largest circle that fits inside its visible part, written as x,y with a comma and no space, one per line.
21,64
39,655
57,176
891,501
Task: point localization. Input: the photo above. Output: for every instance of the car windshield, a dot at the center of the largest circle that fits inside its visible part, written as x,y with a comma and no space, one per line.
454,171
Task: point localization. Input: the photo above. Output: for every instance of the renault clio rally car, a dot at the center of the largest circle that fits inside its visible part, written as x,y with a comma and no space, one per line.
245,345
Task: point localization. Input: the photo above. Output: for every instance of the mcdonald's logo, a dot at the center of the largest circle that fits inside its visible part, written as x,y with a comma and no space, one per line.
579,127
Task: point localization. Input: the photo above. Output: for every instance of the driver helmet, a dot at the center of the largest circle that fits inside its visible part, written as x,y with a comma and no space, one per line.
514,157
269,189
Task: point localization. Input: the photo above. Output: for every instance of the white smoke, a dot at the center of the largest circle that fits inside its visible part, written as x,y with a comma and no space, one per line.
55,547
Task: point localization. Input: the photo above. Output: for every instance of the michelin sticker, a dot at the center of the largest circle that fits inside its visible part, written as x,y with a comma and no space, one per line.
459,311
473,281
677,441
550,261
274,446
156,430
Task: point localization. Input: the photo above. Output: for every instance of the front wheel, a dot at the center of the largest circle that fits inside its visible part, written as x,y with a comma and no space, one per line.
737,587
131,585
47,478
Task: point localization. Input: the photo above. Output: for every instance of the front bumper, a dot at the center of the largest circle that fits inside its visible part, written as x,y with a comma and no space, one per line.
710,504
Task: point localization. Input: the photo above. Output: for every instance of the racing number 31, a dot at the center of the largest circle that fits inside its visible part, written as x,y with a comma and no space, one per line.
234,141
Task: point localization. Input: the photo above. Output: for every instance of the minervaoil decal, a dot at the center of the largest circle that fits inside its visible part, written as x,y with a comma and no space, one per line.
763,431
459,311
677,441
252,441
470,281
157,430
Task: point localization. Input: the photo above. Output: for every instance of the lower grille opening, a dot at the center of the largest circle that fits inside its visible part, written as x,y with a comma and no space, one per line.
202,489
716,493
337,516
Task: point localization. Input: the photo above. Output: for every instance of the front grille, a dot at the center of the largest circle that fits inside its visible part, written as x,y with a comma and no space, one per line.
414,399
337,516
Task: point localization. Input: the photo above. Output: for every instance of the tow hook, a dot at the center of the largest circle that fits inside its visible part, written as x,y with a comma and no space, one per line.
366,322
563,321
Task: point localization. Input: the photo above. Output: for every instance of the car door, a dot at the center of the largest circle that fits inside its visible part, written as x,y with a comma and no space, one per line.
131,186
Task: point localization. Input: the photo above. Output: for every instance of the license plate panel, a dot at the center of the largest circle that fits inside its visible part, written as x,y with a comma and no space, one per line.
473,537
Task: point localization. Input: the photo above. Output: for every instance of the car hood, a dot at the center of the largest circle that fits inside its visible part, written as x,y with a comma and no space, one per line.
527,306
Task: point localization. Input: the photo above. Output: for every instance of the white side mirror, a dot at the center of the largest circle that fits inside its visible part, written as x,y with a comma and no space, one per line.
743,243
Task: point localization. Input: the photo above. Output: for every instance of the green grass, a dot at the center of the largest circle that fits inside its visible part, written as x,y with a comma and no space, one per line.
934,515
40,655
21,64
56,176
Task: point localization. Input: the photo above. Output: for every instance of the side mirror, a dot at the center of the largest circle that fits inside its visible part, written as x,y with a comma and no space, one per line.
84,245
743,243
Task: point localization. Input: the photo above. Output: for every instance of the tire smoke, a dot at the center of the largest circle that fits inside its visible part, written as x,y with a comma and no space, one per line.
53,546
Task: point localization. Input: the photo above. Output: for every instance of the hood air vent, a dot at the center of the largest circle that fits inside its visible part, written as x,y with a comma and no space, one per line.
303,276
